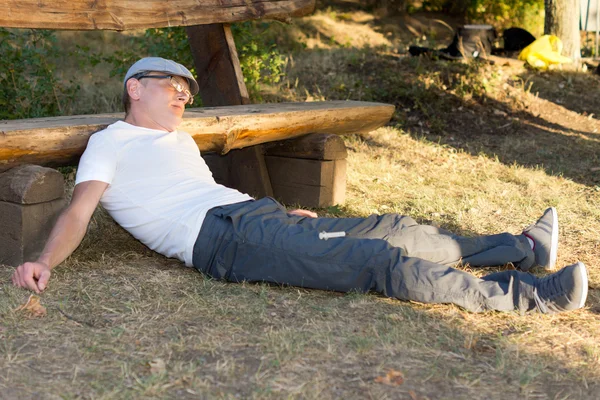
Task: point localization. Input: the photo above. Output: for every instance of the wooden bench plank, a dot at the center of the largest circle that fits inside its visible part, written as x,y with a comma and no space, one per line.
61,140
134,14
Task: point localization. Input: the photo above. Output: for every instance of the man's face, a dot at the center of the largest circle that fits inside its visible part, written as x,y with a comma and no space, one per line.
159,102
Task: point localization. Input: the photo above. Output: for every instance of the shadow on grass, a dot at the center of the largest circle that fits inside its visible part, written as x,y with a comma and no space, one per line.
451,103
575,91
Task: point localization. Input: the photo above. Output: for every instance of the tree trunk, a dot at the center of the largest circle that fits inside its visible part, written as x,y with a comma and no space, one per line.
562,20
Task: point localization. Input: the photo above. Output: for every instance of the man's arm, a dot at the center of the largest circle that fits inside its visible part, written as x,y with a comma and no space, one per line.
64,238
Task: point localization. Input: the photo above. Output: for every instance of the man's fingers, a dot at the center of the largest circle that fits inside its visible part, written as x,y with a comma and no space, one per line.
33,276
43,280
30,283
25,277
303,213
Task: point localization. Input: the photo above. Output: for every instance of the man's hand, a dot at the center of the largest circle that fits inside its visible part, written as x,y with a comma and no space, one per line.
64,237
303,213
32,275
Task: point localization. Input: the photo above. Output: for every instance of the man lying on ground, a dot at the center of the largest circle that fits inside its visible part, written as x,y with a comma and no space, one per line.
151,179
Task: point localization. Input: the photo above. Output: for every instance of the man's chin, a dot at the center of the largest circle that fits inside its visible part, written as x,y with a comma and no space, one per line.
174,123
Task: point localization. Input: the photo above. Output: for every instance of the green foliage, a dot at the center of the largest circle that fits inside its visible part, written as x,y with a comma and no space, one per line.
527,14
506,13
168,43
29,86
500,13
260,61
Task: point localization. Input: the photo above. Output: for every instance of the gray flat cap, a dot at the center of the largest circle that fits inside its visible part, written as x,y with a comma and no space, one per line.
157,64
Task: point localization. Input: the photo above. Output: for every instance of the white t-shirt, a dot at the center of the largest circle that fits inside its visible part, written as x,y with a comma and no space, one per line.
159,187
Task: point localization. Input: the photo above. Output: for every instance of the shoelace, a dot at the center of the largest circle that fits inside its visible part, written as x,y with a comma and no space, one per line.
550,288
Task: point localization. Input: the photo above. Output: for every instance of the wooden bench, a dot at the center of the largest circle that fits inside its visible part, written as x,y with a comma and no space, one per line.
230,132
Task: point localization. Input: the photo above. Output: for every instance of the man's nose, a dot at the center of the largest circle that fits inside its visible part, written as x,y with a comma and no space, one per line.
184,96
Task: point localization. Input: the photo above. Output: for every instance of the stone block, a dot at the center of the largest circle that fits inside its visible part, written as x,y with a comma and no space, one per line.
25,229
31,184
31,198
309,171
316,146
309,183
241,169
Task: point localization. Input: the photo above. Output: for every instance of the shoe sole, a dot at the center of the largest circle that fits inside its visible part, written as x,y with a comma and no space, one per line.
584,280
554,241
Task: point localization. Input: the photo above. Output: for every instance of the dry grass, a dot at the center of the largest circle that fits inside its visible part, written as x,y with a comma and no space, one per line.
449,158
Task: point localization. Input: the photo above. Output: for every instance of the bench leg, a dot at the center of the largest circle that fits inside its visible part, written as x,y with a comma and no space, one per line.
309,171
243,169
222,84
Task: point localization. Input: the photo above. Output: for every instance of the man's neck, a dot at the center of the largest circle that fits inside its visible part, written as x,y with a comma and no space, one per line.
148,123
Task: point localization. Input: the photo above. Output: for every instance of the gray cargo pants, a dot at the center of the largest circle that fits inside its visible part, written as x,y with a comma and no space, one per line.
257,241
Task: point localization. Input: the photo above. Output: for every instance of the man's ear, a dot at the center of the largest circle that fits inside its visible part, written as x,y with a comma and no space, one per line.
133,88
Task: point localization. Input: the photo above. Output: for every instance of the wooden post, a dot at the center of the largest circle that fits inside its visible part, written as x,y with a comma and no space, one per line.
222,84
217,65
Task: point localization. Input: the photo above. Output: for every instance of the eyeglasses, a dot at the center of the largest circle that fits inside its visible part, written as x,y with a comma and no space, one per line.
175,82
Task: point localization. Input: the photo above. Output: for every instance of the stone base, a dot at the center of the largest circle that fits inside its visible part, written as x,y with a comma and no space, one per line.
309,171
308,183
241,169
25,229
31,199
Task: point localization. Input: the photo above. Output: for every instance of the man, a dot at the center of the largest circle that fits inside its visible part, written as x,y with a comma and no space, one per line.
151,179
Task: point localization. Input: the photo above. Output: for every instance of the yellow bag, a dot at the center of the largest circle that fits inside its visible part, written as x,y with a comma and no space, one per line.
544,52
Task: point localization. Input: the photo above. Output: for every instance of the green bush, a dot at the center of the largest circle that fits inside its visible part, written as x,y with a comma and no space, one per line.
260,61
29,86
527,14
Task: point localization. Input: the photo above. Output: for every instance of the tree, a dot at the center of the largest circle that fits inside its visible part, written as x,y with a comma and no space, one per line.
562,20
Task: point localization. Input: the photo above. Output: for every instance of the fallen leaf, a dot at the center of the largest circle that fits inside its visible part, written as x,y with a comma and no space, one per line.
392,378
157,366
33,306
